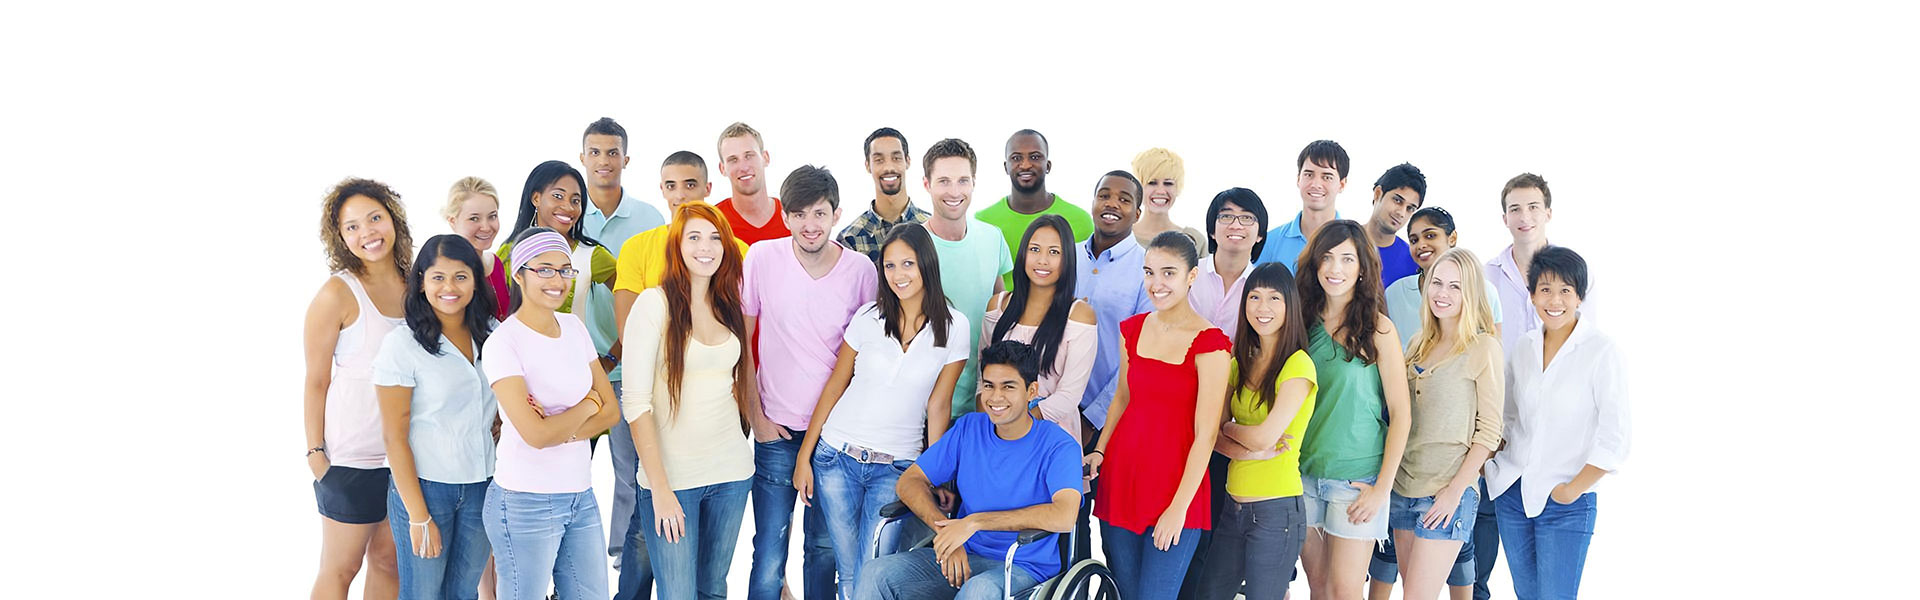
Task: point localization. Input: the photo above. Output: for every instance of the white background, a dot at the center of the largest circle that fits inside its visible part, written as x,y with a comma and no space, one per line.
1731,172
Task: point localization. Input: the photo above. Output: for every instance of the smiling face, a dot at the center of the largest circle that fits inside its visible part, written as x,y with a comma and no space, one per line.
743,161
681,184
701,247
1043,257
1160,195
810,226
887,162
1115,208
1555,302
1340,269
1266,310
950,182
901,268
1167,278
1392,208
367,229
477,220
604,159
1003,396
558,206
545,293
1236,230
1319,186
1027,163
1527,215
448,285
1443,293
1427,241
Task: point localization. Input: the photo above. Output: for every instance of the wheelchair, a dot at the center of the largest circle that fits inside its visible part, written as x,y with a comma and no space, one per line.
1085,580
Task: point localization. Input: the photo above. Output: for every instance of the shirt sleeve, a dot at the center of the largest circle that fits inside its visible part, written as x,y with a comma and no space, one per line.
1063,467
604,266
392,367
1005,254
988,321
503,359
1489,385
639,365
1493,301
940,461
749,289
957,350
1612,436
629,268
1075,362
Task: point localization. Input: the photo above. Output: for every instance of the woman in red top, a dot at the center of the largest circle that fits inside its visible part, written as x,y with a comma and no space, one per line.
1154,502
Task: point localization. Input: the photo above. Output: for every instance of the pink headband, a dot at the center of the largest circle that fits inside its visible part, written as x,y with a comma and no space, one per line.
535,245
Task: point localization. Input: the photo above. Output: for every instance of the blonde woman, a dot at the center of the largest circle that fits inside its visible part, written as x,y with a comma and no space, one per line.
473,211
1163,175
1456,380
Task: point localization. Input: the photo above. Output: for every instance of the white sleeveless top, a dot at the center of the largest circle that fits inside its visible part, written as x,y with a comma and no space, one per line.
353,435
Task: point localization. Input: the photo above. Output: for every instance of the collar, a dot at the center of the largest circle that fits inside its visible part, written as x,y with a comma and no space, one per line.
1292,228
906,215
1584,330
624,208
1127,245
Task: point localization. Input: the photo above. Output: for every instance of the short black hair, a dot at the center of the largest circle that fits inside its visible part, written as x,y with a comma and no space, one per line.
1139,192
1562,262
807,185
1246,200
686,158
1439,216
1403,175
606,126
1326,153
884,132
1013,354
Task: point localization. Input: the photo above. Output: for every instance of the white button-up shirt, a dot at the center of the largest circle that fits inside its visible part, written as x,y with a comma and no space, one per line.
1559,419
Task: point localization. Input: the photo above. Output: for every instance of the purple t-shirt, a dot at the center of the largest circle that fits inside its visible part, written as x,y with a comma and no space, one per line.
558,377
802,322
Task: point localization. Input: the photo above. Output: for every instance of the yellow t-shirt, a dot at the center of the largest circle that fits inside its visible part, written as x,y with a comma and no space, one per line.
1278,476
642,261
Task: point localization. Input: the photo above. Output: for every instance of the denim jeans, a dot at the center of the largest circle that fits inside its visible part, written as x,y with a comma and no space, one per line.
1143,571
1217,481
1485,545
1546,553
546,540
626,467
455,510
914,575
1257,543
773,500
849,494
695,566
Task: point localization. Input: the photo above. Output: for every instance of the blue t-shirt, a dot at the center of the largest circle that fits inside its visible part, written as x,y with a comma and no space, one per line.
1396,261
996,475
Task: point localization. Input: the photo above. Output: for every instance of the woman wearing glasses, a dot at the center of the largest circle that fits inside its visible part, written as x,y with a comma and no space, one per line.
540,513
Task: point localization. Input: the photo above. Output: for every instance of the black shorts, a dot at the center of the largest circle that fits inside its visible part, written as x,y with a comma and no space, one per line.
353,496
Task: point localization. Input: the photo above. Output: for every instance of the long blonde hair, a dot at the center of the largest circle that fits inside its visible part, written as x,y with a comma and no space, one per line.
1476,316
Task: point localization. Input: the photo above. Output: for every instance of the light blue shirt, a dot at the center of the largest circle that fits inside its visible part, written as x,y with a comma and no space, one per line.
451,426
1403,306
1284,244
631,217
1111,282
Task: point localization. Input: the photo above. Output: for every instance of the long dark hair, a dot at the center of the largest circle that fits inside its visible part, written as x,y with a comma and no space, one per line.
933,299
421,318
1293,331
1053,327
1363,311
542,176
723,295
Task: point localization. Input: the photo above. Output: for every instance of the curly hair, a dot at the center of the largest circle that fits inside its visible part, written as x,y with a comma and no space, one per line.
339,256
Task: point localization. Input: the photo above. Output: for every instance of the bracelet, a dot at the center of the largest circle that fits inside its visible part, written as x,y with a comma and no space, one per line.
420,523
1099,452
320,449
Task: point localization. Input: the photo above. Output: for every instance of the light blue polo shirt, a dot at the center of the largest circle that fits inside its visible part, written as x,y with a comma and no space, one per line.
632,216
1111,282
1284,244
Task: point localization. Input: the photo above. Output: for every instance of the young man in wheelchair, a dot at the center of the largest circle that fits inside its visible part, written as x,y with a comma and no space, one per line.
1013,472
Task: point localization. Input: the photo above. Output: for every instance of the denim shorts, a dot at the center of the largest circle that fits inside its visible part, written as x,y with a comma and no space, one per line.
1406,512
353,496
1327,501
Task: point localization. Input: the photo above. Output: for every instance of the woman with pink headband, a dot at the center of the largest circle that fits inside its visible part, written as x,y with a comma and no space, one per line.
540,512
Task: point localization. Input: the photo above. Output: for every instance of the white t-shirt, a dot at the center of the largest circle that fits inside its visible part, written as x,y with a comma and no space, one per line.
885,405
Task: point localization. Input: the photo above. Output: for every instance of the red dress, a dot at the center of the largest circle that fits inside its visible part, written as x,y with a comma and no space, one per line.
499,282
1149,446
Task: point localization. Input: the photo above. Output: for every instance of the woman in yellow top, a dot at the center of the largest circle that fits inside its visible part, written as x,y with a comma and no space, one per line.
1257,537
553,198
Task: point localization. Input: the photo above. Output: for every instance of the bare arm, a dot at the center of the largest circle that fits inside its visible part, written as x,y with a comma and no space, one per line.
916,491
764,429
1287,400
606,416
536,430
396,419
330,311
1057,515
1393,380
940,402
1212,394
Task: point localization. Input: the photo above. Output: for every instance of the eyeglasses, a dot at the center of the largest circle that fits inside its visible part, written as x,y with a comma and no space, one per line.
1243,220
549,272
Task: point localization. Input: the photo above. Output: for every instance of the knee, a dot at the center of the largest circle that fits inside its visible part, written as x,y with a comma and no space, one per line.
382,562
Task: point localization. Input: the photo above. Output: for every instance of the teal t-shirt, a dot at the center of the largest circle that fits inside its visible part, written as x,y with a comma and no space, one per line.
1348,432
1013,225
967,272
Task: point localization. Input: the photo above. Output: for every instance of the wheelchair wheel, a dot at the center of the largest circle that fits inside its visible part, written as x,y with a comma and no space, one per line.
1087,580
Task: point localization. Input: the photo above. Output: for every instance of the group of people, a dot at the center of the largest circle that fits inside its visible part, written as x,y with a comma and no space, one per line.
1224,401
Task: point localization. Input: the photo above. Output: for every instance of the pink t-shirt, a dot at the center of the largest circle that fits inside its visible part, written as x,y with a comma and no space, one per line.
802,322
558,377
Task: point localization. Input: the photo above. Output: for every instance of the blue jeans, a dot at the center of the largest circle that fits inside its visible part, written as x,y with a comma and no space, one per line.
773,500
849,494
1143,571
695,566
1485,545
542,540
1546,553
626,467
455,510
914,575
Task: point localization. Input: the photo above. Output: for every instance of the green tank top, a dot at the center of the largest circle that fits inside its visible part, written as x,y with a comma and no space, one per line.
1348,433
1278,476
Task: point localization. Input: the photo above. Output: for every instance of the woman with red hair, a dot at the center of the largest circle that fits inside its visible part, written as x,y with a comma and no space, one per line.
686,357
